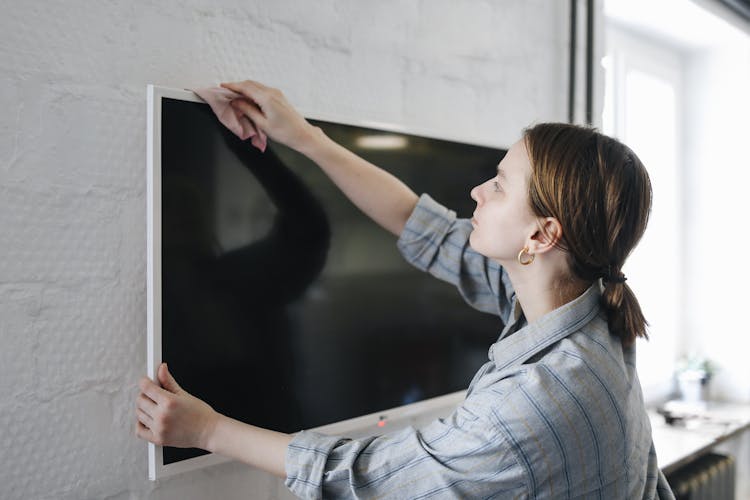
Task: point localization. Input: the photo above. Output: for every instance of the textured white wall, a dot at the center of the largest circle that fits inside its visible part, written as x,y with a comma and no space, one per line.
73,78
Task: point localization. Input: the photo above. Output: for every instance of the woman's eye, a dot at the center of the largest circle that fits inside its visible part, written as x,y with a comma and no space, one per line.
497,186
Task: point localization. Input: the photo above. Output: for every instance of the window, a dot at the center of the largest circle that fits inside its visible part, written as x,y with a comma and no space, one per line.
641,107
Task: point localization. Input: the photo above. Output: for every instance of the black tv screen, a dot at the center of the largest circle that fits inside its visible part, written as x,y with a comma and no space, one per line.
282,305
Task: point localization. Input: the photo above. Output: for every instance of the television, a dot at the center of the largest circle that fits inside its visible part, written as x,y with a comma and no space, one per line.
275,300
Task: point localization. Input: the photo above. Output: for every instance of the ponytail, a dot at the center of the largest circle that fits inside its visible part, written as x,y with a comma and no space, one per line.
624,315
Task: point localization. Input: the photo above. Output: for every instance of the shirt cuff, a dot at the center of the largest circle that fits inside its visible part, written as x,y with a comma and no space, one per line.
424,230
306,457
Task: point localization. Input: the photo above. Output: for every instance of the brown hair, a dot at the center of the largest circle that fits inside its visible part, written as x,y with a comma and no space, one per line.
600,192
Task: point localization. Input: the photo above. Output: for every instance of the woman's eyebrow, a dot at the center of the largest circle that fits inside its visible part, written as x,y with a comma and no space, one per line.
501,173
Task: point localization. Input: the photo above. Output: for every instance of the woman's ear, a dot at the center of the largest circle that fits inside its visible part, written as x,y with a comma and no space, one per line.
547,236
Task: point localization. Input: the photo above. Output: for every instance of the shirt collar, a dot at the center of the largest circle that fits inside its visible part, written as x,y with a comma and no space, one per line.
552,327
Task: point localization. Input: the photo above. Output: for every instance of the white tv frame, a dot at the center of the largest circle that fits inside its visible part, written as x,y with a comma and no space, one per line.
366,425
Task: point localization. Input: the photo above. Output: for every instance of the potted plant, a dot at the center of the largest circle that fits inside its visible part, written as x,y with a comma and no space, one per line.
693,377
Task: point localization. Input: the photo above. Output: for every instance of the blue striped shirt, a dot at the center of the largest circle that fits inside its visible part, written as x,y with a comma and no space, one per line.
556,412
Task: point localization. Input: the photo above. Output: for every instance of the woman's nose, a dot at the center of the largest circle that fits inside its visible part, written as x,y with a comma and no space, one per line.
474,193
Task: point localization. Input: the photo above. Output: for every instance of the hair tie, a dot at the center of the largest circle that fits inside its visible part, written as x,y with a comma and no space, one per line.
613,276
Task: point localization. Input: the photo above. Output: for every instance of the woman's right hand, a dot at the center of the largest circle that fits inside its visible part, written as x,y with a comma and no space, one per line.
269,110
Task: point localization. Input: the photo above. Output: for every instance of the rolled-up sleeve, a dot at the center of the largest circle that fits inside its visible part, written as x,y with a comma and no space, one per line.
436,241
457,457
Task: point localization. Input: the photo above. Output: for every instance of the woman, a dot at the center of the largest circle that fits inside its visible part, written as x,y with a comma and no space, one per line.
557,411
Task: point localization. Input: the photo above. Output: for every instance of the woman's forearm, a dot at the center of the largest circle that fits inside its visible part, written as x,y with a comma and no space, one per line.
257,447
379,194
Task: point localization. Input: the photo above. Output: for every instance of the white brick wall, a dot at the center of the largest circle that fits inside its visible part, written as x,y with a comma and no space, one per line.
73,78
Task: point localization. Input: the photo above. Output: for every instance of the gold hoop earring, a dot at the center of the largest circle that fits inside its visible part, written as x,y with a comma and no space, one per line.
520,257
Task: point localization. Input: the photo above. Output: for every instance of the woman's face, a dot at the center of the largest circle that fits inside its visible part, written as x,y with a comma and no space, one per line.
503,220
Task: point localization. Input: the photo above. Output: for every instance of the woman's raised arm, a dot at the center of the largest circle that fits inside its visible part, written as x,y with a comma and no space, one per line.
380,195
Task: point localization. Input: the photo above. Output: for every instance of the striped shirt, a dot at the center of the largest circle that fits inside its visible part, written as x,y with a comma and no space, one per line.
556,412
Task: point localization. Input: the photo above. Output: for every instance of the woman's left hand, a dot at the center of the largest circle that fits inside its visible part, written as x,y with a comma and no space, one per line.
170,416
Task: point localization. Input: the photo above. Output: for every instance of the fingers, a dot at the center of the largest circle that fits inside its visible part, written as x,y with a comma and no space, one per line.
144,418
250,109
145,421
144,432
146,405
152,390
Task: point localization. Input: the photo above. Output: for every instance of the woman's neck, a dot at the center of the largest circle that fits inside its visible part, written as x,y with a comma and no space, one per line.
539,293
